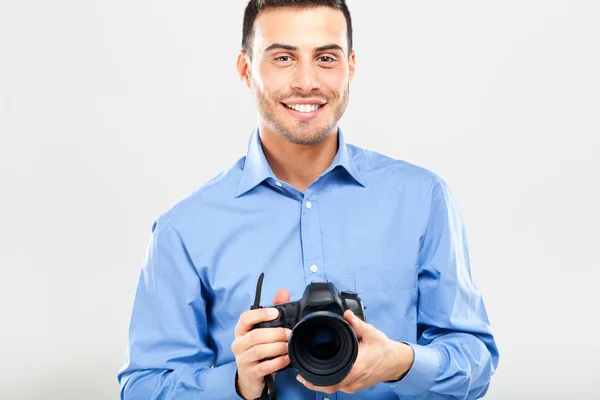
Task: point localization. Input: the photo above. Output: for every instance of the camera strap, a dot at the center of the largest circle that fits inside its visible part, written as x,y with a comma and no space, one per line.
269,382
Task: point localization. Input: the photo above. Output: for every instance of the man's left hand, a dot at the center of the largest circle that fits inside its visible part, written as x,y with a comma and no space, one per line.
379,359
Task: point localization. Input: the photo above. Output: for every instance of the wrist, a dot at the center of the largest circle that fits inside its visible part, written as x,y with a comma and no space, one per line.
240,391
402,358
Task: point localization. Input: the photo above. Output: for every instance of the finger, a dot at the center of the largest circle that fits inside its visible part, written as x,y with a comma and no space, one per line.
282,296
270,366
349,380
263,335
252,317
357,324
350,389
262,352
324,389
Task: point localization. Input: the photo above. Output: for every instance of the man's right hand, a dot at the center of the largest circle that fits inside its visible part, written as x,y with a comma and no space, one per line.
250,347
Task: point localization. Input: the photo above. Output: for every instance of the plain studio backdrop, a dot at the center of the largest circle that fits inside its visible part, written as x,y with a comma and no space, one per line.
112,110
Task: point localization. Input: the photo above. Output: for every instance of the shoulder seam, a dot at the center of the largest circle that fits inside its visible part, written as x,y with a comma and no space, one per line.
211,182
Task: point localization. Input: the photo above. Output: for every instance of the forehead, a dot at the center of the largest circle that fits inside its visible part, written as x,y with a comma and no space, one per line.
300,27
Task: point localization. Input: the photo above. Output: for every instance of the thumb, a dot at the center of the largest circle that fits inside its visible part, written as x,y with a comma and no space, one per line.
282,296
359,326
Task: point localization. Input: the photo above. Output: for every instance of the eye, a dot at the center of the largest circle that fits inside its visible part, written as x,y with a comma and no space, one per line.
282,58
327,59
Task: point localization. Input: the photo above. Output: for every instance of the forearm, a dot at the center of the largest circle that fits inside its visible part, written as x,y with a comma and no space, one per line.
455,353
169,354
455,365
184,382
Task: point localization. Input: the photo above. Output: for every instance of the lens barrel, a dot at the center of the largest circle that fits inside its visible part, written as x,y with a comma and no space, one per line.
323,348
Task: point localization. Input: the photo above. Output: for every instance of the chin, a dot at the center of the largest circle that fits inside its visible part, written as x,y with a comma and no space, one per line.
300,136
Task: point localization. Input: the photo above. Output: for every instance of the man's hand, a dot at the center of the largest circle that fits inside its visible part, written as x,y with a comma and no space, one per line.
379,359
251,347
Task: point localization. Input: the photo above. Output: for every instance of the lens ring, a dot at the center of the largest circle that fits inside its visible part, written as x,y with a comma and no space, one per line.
326,371
337,361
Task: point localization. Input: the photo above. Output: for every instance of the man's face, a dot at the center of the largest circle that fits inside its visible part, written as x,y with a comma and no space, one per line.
300,71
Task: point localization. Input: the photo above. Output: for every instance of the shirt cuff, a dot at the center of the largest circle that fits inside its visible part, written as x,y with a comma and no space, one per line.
422,374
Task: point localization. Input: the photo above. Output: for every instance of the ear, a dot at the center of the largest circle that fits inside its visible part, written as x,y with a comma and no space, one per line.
352,64
243,68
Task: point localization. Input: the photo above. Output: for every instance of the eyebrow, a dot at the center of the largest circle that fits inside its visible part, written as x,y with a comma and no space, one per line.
279,46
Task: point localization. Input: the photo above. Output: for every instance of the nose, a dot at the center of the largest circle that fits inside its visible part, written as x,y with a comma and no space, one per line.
306,77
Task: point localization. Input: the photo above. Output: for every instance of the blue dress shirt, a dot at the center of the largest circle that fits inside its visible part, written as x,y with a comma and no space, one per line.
385,228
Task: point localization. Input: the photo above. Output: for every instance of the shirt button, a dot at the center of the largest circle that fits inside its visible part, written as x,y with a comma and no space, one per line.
308,204
314,268
278,184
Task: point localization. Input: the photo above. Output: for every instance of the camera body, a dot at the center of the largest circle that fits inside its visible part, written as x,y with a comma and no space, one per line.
318,296
323,346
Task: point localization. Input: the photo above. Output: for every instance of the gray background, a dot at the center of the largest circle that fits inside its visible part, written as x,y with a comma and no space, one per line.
112,110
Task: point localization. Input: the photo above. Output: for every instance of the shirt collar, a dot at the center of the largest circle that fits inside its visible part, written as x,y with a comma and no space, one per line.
256,168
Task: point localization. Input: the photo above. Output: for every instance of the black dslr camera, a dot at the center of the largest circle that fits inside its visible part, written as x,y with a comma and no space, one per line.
323,346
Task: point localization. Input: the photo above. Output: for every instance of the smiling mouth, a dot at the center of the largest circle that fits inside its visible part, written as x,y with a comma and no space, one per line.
304,108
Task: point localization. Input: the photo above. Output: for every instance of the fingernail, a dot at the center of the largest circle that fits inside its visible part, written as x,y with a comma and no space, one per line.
273,312
288,333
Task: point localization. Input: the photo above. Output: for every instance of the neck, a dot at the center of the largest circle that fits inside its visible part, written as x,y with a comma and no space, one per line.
299,165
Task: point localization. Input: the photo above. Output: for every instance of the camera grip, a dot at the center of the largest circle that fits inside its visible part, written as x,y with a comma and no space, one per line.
269,324
288,317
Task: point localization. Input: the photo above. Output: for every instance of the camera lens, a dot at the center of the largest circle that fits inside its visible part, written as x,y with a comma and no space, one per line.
325,343
323,348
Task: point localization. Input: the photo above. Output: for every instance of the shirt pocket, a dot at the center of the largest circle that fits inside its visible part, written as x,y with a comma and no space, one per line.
389,294
390,278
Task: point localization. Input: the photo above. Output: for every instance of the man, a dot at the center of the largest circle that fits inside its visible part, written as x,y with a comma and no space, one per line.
303,206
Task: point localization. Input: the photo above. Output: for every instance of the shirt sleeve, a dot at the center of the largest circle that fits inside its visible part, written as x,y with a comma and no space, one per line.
455,353
169,354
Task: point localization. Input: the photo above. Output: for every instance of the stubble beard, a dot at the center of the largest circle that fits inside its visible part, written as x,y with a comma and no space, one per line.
302,132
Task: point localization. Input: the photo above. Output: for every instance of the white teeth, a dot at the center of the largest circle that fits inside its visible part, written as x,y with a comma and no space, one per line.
304,108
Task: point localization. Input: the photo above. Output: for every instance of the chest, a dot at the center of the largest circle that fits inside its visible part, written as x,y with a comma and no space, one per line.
358,241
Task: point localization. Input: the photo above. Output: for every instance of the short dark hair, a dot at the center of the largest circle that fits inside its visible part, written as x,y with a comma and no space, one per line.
254,7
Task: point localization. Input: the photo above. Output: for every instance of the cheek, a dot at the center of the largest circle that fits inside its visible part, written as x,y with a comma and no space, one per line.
335,83
273,82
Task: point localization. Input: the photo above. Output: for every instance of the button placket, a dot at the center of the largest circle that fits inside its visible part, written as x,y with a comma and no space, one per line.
312,243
